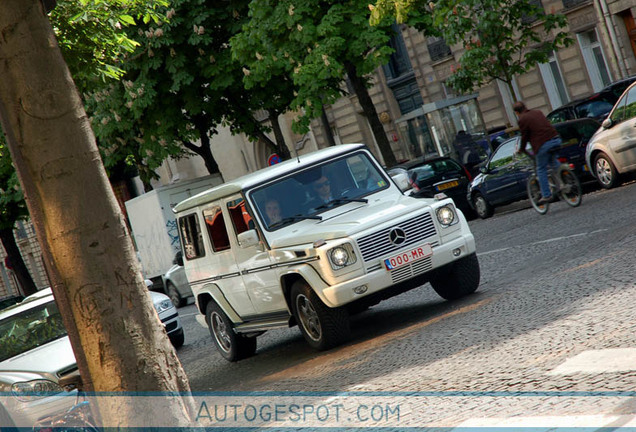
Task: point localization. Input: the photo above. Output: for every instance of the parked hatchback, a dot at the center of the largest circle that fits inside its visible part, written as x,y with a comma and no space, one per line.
504,176
35,352
612,150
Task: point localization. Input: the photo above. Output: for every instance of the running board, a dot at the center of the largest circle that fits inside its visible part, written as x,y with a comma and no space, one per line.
270,324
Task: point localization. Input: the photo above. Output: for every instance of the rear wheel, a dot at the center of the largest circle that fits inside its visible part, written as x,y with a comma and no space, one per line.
457,279
605,171
322,327
232,346
571,191
482,207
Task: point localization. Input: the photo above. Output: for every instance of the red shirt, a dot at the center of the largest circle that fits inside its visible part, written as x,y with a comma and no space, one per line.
536,129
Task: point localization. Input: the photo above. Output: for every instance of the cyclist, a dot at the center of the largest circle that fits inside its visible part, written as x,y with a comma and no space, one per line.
543,137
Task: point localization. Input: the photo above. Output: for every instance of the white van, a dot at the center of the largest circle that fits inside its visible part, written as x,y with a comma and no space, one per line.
308,241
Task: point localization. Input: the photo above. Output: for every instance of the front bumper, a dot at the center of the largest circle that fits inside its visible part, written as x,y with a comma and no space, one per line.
379,278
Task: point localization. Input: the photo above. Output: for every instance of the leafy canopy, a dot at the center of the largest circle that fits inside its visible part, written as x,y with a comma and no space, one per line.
307,43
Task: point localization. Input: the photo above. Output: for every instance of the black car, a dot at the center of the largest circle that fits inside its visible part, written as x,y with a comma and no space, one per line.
432,176
504,176
10,301
596,106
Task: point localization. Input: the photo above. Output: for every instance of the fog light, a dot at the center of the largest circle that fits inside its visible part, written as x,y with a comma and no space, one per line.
457,252
360,289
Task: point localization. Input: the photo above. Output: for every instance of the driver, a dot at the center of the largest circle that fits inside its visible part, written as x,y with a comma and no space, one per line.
322,189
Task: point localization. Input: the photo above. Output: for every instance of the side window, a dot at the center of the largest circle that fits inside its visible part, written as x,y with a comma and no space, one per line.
630,104
217,231
618,115
191,237
241,219
503,155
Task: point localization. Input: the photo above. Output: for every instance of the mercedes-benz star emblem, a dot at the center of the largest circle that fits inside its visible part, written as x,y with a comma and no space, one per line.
397,236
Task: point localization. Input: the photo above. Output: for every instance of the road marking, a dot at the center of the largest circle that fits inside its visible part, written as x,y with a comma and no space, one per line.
599,361
554,239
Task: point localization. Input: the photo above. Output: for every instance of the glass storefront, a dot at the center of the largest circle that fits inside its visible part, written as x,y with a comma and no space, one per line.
452,127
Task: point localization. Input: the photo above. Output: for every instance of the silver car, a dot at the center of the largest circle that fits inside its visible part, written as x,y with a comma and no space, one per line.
35,353
612,150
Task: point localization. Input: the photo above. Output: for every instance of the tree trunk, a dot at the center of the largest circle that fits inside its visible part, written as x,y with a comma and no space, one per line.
119,342
371,114
327,128
281,146
204,150
27,286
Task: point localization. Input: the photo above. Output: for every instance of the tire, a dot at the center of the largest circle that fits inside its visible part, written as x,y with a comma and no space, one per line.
457,279
232,346
571,191
482,207
174,295
321,326
177,339
534,194
605,171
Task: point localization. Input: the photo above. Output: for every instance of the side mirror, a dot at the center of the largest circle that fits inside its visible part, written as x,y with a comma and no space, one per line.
401,179
148,283
248,238
178,259
607,123
483,169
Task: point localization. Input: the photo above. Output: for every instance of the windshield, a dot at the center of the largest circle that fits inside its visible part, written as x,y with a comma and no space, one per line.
24,331
308,193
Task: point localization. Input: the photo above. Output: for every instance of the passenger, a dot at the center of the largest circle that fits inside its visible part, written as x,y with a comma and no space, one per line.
272,210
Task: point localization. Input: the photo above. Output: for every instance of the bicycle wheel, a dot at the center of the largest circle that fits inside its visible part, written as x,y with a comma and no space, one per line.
571,191
534,194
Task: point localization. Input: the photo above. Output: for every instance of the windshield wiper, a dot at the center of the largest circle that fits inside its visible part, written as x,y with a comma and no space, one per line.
339,201
291,219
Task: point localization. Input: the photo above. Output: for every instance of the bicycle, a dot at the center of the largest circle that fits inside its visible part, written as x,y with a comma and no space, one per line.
563,183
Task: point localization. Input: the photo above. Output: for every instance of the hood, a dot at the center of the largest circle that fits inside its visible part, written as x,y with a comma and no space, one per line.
349,219
50,359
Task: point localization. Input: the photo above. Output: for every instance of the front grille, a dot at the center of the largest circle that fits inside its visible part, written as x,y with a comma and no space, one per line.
166,319
375,245
414,269
171,326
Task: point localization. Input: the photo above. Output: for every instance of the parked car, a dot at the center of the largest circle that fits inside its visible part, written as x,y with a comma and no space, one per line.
611,152
35,353
504,176
10,301
596,106
176,283
428,177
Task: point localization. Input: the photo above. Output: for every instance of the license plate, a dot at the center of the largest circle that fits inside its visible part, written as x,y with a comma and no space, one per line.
448,185
408,257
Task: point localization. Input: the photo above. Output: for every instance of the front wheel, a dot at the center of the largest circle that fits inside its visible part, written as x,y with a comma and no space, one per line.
174,295
322,327
534,194
605,170
571,191
457,279
232,346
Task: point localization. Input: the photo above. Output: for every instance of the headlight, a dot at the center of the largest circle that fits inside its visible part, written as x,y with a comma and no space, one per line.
163,305
446,215
26,391
341,256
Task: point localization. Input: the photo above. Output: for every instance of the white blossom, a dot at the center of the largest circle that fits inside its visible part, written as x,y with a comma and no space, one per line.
290,11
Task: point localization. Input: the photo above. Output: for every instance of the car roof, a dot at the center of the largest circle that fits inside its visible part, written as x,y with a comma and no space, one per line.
423,160
41,297
266,174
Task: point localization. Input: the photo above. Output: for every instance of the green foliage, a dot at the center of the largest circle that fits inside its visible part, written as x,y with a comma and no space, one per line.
12,204
502,38
307,44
